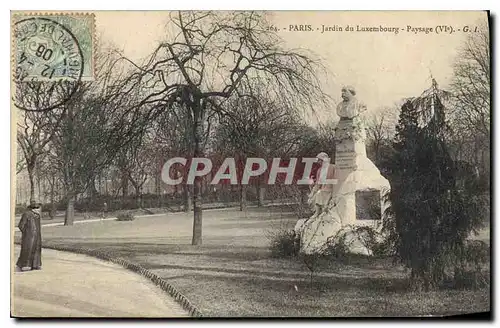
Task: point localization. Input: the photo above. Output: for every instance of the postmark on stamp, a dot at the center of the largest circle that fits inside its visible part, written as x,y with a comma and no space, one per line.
53,53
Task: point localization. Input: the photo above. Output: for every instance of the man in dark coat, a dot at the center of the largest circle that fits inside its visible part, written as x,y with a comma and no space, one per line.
31,241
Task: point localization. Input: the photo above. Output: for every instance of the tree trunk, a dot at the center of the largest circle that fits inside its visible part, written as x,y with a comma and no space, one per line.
188,199
302,196
124,184
158,189
221,196
52,212
106,192
31,177
377,152
69,217
99,183
243,197
198,111
69,174
39,198
260,194
138,196
93,193
197,222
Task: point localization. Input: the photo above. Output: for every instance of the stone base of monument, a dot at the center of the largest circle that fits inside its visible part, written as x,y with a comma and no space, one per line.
356,244
357,200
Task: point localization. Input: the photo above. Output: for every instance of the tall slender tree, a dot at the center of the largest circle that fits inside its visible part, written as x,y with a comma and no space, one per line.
432,215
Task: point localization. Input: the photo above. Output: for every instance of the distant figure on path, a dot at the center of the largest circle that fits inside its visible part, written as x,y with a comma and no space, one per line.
104,210
31,241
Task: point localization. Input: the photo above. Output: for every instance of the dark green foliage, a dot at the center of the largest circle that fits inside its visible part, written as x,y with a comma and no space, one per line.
470,279
284,244
430,217
337,246
371,239
470,270
382,248
125,217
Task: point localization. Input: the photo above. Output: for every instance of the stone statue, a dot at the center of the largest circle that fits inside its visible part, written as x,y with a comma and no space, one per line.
350,107
356,178
350,125
320,193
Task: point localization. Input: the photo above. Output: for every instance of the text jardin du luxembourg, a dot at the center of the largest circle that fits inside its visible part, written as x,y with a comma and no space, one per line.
359,28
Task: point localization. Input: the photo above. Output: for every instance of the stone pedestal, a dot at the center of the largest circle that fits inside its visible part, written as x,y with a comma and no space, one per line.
357,198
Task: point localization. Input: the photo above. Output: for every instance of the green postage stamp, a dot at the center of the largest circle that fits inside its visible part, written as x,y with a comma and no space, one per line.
53,46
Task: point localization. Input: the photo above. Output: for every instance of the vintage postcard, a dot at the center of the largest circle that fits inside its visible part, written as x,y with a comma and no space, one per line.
250,164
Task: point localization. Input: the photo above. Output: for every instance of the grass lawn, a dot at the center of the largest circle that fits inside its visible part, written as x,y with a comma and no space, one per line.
233,274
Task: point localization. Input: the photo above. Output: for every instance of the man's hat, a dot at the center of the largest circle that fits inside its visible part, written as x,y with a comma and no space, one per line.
34,204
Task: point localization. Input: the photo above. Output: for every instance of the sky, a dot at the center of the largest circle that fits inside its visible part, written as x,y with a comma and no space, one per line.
384,67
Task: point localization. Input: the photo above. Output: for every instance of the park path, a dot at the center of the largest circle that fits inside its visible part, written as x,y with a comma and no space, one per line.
74,285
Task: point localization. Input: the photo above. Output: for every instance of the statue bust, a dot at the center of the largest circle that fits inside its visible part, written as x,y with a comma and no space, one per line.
351,125
349,107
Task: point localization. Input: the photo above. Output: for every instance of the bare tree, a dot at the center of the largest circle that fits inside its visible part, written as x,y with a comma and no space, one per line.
35,128
380,130
471,83
138,162
256,127
471,118
91,135
97,122
76,154
210,58
49,174
173,137
20,161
